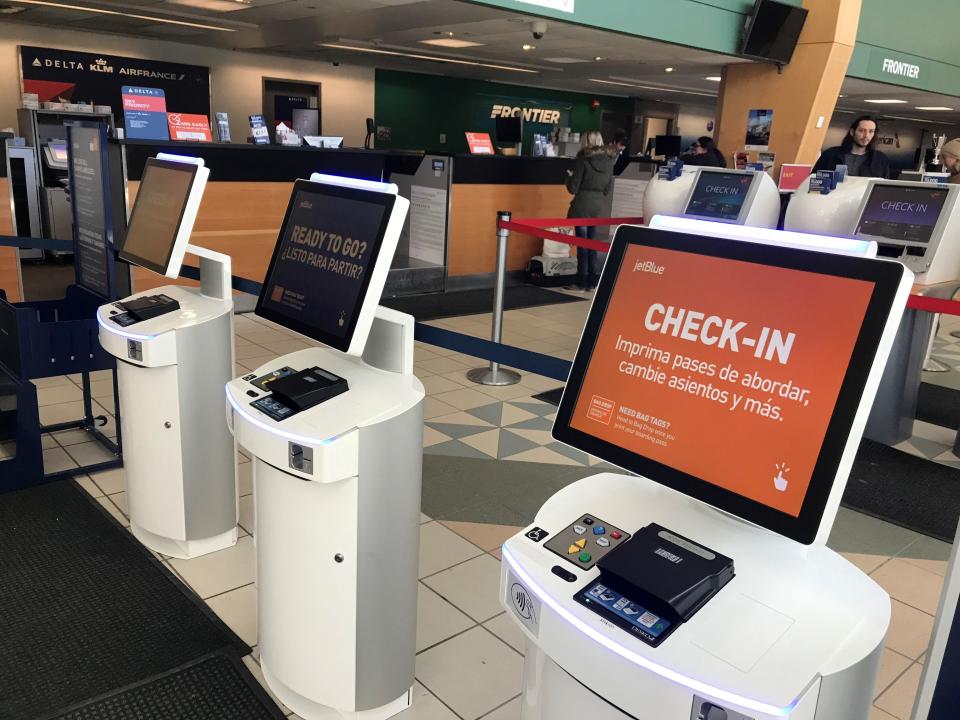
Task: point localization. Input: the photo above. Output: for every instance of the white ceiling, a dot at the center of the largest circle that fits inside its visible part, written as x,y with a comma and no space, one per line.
856,91
629,66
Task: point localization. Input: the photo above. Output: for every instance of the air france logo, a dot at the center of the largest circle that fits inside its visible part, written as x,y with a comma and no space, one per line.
522,602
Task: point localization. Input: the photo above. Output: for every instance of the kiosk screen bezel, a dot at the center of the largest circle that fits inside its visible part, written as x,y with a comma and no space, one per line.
936,231
744,206
386,201
886,277
149,263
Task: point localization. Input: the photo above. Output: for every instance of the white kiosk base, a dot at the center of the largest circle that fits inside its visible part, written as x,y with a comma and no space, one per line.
797,633
180,460
337,507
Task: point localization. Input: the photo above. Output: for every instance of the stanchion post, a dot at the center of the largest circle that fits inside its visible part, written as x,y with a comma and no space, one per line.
494,374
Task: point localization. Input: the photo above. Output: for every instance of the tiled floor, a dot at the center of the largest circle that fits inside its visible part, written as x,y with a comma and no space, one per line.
494,442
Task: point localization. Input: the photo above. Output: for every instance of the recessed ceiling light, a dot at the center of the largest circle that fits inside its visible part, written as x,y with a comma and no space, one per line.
598,58
149,18
450,43
669,69
887,101
529,47
841,95
931,107
713,78
434,58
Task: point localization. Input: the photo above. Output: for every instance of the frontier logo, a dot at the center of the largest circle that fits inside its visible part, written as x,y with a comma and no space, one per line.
648,266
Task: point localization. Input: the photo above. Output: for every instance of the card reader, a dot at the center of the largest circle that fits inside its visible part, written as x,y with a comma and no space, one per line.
654,582
300,391
147,307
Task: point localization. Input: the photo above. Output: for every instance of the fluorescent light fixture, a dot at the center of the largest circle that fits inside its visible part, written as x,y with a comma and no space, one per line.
783,238
609,642
125,13
433,58
713,78
931,107
652,87
565,60
598,58
529,47
669,69
886,101
225,6
451,43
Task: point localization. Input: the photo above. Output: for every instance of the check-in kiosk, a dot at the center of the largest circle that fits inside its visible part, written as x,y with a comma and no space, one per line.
175,350
833,214
743,197
336,436
702,586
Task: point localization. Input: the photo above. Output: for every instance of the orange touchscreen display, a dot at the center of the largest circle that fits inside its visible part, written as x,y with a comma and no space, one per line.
692,370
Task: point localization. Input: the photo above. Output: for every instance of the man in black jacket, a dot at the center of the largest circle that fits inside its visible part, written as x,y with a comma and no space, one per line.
857,152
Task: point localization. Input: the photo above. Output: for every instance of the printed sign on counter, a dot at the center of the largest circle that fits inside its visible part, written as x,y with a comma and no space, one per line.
694,375
792,176
480,143
194,128
144,113
428,223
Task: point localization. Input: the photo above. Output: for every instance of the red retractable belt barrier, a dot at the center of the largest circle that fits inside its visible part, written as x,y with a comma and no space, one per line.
537,228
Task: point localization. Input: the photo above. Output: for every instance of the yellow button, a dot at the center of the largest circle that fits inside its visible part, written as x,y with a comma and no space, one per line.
581,543
573,550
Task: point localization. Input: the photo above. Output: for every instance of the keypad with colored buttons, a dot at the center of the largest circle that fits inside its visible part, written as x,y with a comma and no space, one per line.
586,540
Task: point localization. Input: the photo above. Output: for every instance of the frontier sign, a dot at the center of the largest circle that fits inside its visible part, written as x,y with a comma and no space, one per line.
903,69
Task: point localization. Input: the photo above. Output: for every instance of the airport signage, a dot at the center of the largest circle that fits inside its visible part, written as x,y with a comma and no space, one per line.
66,75
903,69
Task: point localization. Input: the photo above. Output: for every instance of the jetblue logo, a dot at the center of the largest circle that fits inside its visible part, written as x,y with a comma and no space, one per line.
648,266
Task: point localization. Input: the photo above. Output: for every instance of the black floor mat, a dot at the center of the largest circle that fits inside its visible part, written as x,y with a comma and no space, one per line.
216,687
85,608
905,490
939,405
474,302
550,396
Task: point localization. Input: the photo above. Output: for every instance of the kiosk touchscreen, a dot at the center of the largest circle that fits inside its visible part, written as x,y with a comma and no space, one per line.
742,197
914,223
336,435
740,410
176,344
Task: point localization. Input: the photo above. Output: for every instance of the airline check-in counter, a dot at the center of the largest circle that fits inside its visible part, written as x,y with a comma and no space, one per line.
701,587
742,197
174,347
336,437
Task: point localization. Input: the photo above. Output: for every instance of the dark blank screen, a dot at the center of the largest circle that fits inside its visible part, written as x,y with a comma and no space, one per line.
156,216
775,30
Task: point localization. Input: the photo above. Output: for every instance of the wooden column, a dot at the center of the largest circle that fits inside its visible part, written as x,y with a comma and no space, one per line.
9,267
802,97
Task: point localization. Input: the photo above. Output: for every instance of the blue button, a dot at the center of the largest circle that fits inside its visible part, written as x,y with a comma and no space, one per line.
599,530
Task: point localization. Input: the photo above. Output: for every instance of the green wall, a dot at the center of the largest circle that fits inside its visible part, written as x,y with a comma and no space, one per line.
919,32
714,25
419,108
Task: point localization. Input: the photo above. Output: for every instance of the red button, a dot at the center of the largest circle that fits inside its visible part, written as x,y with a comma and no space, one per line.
616,535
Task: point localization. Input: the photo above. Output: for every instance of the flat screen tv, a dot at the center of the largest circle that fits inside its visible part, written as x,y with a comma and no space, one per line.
772,31
509,129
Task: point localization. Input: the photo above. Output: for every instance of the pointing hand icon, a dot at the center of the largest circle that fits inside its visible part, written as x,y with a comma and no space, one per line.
780,482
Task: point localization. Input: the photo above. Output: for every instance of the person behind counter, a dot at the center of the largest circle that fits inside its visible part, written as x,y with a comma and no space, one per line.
590,181
950,154
704,154
857,152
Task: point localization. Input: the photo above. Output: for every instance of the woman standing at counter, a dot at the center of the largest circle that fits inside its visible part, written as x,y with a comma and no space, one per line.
590,181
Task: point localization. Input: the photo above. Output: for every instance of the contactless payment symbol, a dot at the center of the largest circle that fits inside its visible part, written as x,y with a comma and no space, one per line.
537,534
525,605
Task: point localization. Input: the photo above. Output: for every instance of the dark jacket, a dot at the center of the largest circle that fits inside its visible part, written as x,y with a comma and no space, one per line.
711,158
590,183
876,164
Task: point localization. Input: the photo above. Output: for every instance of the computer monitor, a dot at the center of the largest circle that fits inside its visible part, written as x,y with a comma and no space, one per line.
330,263
721,195
667,145
910,176
163,213
723,370
510,129
903,212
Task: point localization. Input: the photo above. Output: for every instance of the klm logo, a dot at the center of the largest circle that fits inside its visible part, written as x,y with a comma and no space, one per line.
100,66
